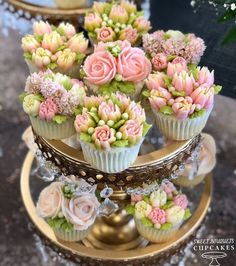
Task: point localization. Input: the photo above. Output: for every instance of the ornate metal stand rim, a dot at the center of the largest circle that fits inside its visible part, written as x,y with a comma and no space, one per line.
78,249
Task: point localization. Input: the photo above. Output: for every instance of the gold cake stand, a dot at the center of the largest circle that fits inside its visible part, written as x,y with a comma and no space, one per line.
114,230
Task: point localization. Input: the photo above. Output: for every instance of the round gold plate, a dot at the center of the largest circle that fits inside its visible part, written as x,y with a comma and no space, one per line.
134,256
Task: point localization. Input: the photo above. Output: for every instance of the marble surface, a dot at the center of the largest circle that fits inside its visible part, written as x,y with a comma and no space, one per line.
20,247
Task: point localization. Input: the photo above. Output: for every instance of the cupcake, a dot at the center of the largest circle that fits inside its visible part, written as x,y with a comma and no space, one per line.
196,170
70,4
51,101
111,131
111,22
68,211
59,49
158,216
173,43
181,97
116,66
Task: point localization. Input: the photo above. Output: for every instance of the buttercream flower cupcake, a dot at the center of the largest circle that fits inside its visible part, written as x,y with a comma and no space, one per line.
111,131
60,48
70,212
111,22
158,216
181,97
116,66
52,101
172,43
196,169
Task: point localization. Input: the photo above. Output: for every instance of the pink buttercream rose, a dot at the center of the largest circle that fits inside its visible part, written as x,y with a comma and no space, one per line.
133,65
136,198
181,201
50,200
159,98
205,76
100,68
132,131
136,112
157,216
176,66
83,122
183,82
159,61
130,34
81,211
105,34
156,80
203,97
109,111
48,109
41,27
183,107
103,136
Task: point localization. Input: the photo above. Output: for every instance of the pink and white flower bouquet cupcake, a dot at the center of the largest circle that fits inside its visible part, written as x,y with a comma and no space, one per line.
70,212
173,43
111,22
116,66
111,131
60,48
181,97
158,216
52,101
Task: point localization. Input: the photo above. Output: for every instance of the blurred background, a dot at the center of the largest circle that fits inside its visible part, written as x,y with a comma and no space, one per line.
18,245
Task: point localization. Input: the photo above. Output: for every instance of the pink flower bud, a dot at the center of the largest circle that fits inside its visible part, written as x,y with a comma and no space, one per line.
203,97
48,109
130,34
159,61
142,25
66,59
83,122
103,136
130,7
105,34
78,43
176,66
125,101
109,111
41,28
136,112
118,14
159,98
68,29
181,201
52,41
183,82
29,43
93,101
205,76
183,107
154,81
92,21
99,7
157,216
41,57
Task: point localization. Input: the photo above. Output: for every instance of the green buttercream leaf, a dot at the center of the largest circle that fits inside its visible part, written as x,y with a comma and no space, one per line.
166,226
38,38
107,9
178,93
145,221
193,70
27,55
166,110
146,93
94,116
146,199
66,83
22,96
79,57
146,128
39,97
130,209
217,88
64,46
116,101
85,137
59,119
168,205
107,89
78,111
187,214
198,113
60,31
60,223
52,65
120,143
170,58
168,81
167,36
92,35
119,124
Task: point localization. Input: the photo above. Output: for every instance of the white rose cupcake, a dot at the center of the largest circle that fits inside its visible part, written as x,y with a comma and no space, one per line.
111,131
159,215
51,101
69,213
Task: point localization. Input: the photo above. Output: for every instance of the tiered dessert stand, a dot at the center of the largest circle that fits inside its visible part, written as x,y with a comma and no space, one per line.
114,239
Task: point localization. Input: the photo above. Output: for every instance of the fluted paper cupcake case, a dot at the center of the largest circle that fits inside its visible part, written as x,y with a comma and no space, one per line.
113,161
73,235
184,181
156,235
175,129
52,130
73,72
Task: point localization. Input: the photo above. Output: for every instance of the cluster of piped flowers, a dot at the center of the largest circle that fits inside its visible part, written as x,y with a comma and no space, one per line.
116,66
162,209
113,121
51,47
52,97
181,90
110,22
173,42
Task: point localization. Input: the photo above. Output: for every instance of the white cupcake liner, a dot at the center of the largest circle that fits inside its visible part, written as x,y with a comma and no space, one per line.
113,161
73,235
68,4
73,72
52,130
175,129
156,235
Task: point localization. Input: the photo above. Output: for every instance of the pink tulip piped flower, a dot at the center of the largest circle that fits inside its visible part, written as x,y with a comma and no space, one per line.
203,97
183,107
205,76
40,28
183,82
156,80
159,98
109,111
